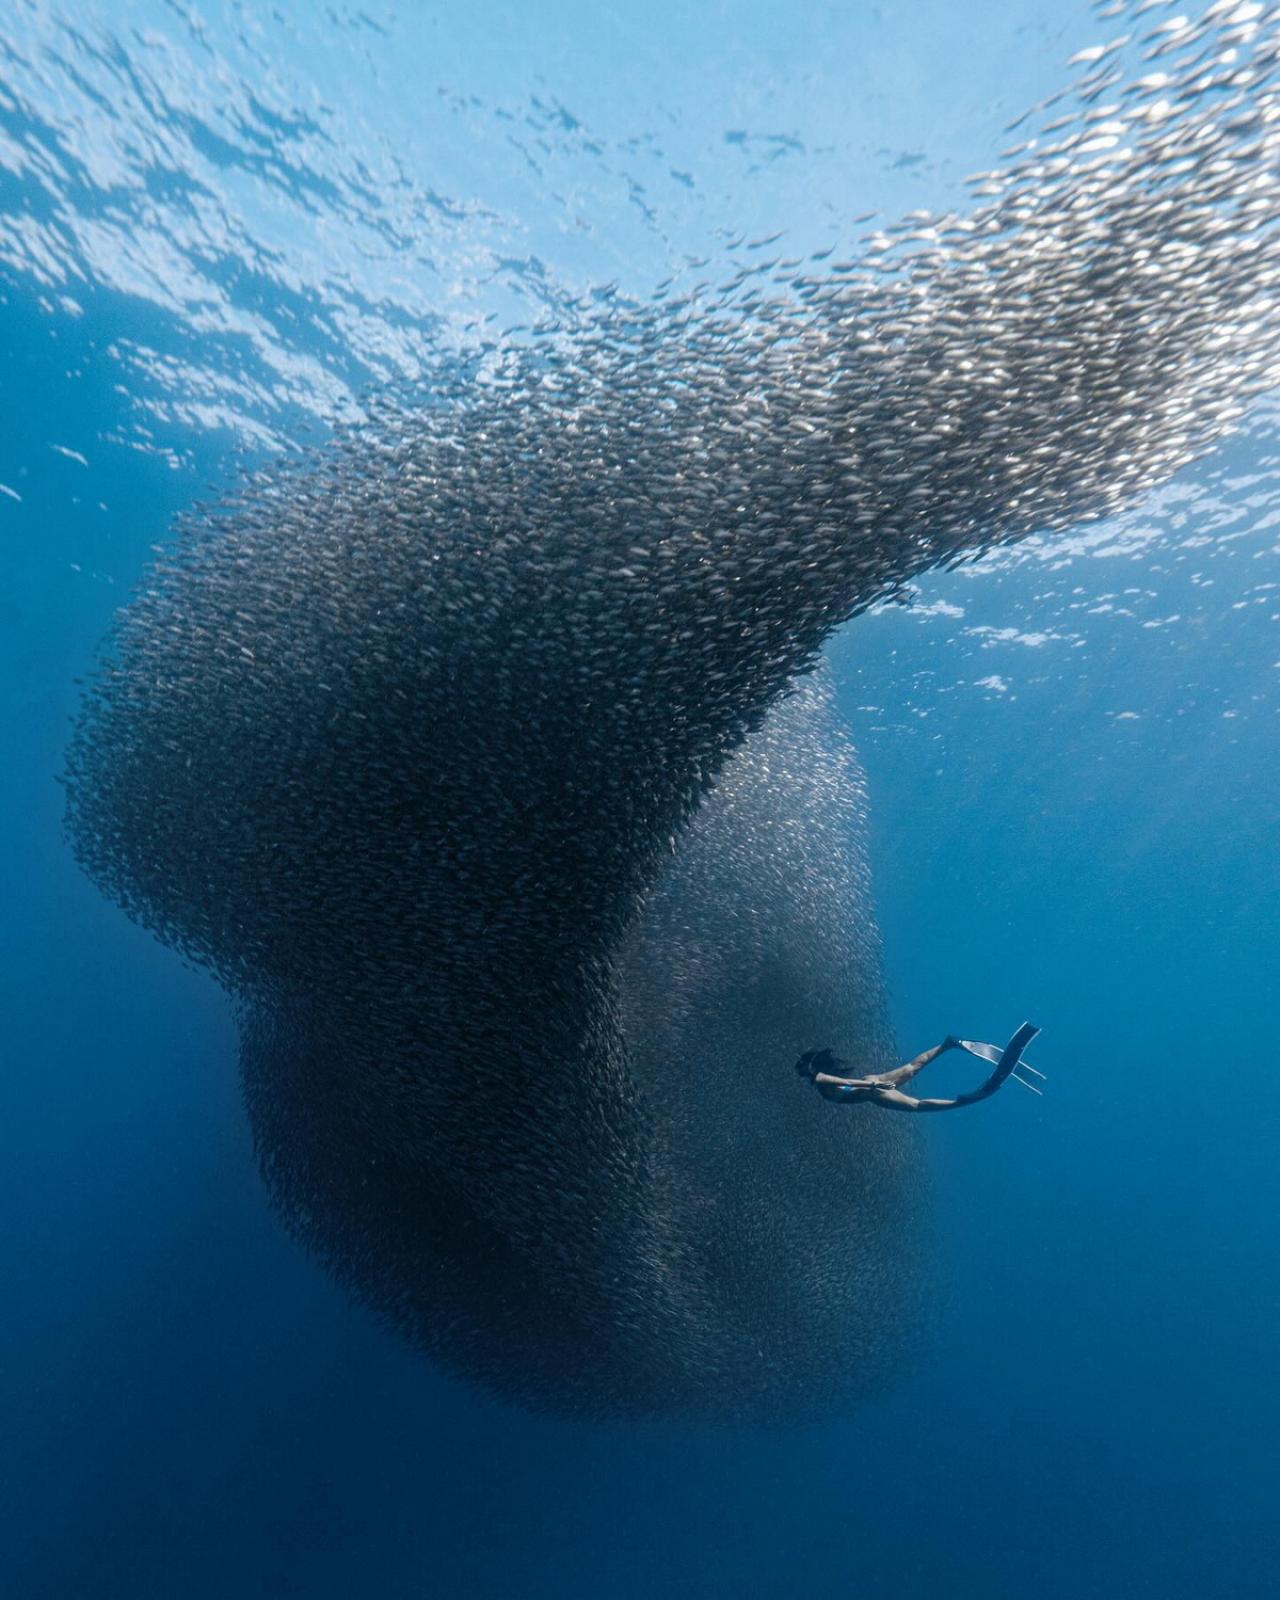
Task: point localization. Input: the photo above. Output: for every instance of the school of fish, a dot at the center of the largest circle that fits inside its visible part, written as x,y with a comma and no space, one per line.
481,754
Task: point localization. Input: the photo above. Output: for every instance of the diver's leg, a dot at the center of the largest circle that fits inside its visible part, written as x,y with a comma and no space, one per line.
884,1094
917,1064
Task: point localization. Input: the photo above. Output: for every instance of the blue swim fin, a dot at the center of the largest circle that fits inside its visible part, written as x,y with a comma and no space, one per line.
1007,1062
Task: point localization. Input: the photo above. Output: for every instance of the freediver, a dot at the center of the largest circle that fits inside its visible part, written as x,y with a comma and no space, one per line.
823,1069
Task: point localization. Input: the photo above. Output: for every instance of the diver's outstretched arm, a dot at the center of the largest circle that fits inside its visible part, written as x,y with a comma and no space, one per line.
820,1065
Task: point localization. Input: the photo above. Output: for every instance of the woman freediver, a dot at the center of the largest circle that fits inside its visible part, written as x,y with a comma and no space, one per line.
881,1088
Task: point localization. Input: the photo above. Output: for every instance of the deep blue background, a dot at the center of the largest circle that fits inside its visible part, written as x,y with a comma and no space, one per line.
189,1408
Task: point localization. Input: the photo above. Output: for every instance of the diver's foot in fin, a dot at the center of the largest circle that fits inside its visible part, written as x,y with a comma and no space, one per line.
1011,1063
1008,1063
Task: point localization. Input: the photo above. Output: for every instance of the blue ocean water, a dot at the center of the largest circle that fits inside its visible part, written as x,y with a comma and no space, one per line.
219,228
